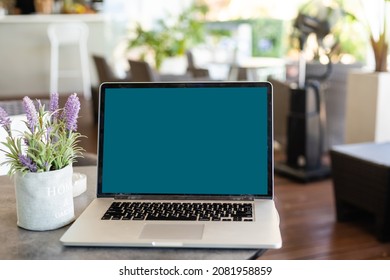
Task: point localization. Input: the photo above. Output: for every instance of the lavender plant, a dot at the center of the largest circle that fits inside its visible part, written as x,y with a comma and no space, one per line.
51,140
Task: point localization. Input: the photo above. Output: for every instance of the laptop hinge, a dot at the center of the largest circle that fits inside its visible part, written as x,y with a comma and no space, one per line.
185,197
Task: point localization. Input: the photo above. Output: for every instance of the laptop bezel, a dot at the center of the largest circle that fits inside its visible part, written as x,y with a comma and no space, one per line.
270,154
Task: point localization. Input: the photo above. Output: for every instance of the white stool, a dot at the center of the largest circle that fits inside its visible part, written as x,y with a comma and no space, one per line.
66,34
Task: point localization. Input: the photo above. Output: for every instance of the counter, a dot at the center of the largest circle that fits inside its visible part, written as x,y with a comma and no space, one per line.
25,53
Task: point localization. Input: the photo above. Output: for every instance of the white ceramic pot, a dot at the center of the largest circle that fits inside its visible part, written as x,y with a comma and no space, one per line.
176,65
367,107
44,200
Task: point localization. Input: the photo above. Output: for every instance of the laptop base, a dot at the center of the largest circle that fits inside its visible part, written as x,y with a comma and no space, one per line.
300,174
90,230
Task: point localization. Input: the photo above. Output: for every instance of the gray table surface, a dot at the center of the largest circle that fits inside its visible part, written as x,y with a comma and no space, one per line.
20,244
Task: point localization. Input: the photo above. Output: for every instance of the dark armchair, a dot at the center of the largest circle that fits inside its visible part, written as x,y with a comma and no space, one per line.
105,73
195,71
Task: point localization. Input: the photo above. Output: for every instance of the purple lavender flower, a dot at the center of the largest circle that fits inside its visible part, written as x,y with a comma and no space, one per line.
5,121
53,107
31,113
27,162
48,133
71,112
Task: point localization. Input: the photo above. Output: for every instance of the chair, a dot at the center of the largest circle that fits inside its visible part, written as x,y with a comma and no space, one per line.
68,34
15,107
141,71
195,71
361,184
281,103
105,73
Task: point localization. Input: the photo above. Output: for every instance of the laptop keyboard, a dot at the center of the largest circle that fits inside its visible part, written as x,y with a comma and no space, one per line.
166,211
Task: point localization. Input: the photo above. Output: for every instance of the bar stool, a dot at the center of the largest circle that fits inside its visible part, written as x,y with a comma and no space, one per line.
68,34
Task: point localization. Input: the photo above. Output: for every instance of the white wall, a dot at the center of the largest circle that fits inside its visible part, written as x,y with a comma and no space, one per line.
143,11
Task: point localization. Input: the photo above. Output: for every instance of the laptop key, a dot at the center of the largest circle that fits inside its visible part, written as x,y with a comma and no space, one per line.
242,214
139,218
189,218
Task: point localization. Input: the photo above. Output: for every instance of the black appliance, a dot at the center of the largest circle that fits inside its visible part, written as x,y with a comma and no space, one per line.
305,126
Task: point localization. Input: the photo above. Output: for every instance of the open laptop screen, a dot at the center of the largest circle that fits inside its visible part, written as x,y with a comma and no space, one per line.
174,139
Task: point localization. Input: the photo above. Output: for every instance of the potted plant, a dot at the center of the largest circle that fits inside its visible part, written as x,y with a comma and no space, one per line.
367,114
40,160
170,39
379,37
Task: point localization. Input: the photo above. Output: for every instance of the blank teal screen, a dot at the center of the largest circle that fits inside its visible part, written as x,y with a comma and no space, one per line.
185,141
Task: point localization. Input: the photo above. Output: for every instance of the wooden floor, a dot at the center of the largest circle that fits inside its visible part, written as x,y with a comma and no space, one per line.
310,231
307,213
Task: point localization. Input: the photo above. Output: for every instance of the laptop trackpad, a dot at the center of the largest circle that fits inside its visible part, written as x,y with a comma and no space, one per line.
170,231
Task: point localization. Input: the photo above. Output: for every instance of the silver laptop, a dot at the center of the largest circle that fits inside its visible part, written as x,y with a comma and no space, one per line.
183,165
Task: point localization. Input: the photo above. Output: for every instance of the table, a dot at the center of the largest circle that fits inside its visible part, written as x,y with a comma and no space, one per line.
248,68
20,244
361,183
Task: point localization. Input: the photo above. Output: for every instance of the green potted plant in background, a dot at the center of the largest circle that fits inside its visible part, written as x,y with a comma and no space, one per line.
40,160
367,114
171,37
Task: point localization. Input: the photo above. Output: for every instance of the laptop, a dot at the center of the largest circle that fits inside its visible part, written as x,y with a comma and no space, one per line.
186,164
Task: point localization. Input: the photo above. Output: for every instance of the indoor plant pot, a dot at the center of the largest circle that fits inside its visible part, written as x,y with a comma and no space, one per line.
367,112
44,199
40,160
